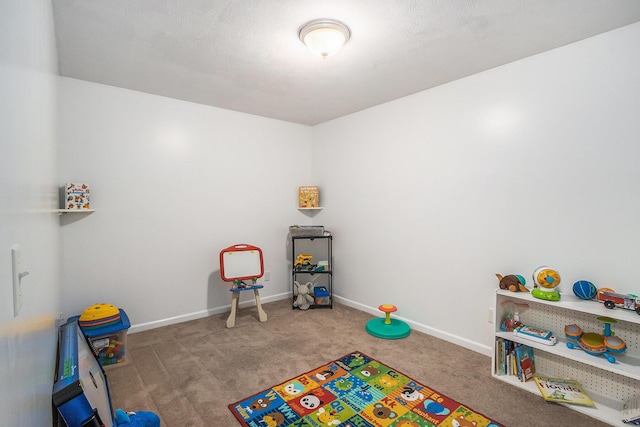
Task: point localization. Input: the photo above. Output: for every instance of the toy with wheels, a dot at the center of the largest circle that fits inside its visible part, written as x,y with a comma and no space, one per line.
304,263
612,299
388,328
512,282
545,283
596,344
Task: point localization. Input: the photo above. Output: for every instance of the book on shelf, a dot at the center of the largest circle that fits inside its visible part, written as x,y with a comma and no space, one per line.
499,356
308,196
631,411
76,196
515,359
562,391
525,363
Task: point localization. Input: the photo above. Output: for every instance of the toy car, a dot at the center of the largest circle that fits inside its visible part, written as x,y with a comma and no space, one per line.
614,299
303,262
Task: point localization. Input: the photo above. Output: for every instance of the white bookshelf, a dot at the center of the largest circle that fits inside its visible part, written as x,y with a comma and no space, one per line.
608,384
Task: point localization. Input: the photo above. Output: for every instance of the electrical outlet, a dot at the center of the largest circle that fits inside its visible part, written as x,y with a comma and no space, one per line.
490,315
16,255
267,276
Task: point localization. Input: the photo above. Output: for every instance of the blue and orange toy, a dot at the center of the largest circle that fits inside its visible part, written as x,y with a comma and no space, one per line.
594,343
388,328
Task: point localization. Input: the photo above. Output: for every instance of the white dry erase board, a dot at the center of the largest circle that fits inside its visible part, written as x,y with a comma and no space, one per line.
241,262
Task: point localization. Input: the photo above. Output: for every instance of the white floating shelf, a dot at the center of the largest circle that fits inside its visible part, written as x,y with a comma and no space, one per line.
61,211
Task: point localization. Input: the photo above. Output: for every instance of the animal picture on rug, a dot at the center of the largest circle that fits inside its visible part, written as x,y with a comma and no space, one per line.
274,419
354,391
294,388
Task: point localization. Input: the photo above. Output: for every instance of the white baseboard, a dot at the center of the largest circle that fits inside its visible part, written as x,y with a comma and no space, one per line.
463,342
204,313
471,345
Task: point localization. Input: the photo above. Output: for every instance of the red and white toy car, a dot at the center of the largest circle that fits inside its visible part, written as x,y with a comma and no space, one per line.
612,299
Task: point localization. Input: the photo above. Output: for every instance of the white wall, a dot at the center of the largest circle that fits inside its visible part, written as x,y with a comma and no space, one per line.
173,183
428,196
28,198
533,163
527,164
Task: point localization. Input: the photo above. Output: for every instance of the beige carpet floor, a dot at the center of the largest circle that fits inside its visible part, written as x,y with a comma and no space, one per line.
189,372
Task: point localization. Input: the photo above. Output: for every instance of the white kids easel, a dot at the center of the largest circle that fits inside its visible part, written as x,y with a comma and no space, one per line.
239,263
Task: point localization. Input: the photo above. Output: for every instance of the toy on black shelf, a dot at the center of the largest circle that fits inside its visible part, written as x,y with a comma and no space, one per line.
322,297
512,282
545,282
304,299
584,289
303,263
612,299
322,266
594,343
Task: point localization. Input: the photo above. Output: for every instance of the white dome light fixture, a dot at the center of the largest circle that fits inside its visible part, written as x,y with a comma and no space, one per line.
324,37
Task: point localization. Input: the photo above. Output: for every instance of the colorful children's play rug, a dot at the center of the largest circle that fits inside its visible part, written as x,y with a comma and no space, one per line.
354,391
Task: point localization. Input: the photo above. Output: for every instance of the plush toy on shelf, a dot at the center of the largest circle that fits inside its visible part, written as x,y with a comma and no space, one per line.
512,282
304,299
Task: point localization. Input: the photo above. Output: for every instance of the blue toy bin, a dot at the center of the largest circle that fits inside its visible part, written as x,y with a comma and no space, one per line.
321,295
110,341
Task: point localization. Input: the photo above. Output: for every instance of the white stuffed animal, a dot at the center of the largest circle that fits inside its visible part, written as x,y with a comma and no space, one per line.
304,299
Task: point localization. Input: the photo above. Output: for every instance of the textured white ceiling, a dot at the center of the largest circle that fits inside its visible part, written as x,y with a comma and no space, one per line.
245,55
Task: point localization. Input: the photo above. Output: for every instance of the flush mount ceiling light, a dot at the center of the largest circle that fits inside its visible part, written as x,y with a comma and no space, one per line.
324,37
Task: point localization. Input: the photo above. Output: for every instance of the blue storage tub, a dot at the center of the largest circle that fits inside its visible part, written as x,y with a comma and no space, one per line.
110,342
321,295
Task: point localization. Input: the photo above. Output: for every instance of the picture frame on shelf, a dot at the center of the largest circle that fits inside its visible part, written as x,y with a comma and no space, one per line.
308,197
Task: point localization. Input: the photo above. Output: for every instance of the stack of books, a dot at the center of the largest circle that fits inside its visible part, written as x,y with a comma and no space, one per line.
516,359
